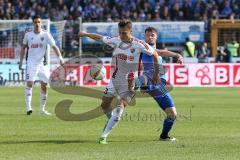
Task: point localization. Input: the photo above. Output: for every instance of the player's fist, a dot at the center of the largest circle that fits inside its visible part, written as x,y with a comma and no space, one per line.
82,34
62,62
180,59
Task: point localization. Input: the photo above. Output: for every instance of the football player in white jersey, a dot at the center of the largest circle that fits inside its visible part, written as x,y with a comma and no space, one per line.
36,42
126,54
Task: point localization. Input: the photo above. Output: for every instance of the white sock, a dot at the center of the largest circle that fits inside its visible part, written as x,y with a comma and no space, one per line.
43,99
112,122
28,98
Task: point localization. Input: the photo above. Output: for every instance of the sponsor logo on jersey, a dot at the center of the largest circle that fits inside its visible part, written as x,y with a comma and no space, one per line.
42,38
125,57
40,45
122,57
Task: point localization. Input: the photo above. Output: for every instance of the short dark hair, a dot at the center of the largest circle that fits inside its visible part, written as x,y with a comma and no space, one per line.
35,17
151,29
125,23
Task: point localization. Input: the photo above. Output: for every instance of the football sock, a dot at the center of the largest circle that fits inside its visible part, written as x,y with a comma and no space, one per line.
112,122
108,115
167,126
43,99
140,82
28,98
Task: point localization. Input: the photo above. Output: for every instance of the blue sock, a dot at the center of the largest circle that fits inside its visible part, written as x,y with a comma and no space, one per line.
139,83
167,125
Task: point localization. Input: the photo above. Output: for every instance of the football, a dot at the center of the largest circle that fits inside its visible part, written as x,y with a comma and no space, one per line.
97,72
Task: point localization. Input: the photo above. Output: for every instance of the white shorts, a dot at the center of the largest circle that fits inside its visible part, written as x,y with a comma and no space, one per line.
37,70
119,92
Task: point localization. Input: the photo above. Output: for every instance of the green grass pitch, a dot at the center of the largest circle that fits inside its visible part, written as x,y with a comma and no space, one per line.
208,128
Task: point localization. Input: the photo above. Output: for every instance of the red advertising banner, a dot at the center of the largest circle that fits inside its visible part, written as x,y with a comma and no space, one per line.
187,75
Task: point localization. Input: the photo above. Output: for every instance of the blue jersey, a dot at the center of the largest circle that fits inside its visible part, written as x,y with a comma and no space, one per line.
158,92
148,65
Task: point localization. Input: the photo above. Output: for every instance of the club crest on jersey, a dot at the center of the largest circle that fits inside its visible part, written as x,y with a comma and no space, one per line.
42,38
132,50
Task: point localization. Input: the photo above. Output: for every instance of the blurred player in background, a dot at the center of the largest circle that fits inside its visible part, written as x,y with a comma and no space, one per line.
126,54
159,92
36,42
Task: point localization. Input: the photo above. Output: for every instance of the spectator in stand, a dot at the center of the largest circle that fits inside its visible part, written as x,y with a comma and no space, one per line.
233,47
175,12
187,10
223,55
111,11
189,48
227,10
203,53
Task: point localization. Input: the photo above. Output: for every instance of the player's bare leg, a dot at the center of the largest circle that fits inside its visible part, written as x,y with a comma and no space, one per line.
113,120
168,123
28,96
43,98
106,106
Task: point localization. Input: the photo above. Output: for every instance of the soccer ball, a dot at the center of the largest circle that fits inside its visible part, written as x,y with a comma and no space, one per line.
97,72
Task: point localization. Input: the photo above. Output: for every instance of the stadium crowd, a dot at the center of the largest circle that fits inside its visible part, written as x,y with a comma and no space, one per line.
112,10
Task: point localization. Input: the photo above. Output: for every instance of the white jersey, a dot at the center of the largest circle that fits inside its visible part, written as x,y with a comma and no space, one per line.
127,59
127,55
37,45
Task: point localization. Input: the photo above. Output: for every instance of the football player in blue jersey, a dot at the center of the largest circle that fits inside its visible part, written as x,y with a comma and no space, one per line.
159,92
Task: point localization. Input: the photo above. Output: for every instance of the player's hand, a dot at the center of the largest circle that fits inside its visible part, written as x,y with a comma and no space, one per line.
62,62
82,34
20,66
180,59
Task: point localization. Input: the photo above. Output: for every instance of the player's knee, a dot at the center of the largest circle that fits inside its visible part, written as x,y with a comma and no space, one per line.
29,84
106,105
44,87
106,102
171,113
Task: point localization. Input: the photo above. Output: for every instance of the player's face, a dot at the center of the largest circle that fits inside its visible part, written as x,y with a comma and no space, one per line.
151,37
37,24
125,33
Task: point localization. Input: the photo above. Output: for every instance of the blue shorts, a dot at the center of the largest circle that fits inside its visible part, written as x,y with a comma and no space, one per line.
165,101
163,98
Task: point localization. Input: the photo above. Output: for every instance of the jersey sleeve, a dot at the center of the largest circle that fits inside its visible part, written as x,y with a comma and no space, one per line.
146,48
50,40
25,39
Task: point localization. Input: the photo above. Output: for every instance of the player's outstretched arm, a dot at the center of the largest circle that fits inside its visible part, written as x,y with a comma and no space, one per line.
22,54
156,68
58,53
167,53
94,36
